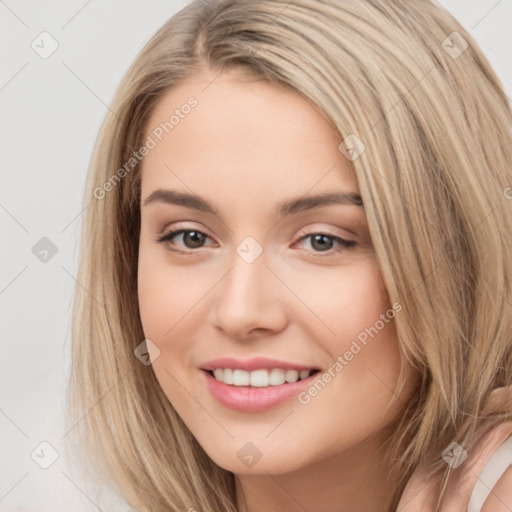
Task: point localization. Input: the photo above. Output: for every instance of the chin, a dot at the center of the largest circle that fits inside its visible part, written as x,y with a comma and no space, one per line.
258,458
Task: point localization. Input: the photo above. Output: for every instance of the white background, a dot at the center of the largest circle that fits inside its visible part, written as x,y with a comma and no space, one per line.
51,111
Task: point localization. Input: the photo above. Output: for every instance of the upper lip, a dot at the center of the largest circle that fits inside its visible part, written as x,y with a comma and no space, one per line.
255,363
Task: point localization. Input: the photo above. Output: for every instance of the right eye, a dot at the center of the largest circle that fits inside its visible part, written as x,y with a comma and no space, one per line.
191,239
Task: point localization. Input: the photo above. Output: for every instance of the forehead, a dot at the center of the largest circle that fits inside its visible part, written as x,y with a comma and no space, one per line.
243,136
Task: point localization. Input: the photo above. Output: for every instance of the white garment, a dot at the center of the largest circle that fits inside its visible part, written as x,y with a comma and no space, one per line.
490,474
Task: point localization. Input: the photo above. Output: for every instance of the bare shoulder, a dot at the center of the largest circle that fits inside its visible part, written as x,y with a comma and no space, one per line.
500,497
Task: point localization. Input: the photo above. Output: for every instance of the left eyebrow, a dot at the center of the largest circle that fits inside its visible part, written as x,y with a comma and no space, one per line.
285,208
310,202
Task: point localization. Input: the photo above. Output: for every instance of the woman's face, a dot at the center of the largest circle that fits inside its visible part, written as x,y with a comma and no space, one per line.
259,293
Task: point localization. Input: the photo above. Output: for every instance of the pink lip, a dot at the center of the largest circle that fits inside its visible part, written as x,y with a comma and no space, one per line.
253,399
256,363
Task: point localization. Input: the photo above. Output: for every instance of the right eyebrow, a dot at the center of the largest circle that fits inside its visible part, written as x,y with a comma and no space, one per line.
180,199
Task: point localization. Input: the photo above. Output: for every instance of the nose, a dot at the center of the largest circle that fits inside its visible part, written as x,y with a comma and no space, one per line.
250,301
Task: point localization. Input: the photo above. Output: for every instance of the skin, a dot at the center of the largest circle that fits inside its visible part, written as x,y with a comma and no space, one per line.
246,147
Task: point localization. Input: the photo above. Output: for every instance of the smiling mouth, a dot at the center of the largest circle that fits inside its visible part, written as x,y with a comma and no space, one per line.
259,378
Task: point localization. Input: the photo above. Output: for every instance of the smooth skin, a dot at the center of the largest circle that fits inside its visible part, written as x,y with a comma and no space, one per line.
246,147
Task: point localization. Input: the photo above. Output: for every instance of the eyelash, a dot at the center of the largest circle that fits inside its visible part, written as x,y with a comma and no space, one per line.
345,244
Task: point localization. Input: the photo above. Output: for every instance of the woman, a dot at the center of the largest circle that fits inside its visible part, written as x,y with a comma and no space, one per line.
294,280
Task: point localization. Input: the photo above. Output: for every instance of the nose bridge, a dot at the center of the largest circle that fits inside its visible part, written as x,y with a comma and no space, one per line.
246,282
247,298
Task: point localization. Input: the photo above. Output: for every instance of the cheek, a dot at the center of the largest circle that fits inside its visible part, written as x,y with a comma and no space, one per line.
342,302
357,331
167,293
366,335
166,297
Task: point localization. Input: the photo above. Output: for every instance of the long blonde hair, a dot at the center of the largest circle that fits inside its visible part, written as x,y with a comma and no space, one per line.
408,81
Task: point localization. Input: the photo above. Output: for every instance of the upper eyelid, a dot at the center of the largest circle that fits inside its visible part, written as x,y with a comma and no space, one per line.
302,231
176,231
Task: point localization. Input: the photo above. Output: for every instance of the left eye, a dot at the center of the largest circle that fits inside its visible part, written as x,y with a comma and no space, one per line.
324,242
194,239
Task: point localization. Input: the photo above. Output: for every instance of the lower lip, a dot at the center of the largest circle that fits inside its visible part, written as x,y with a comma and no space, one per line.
254,399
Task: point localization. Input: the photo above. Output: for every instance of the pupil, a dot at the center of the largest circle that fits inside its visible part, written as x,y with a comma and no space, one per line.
322,246
195,237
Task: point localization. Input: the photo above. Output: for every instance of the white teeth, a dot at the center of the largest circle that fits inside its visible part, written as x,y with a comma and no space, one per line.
259,378
227,378
276,377
240,378
303,374
291,375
